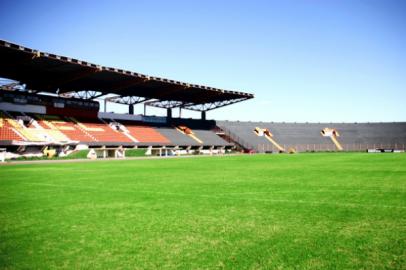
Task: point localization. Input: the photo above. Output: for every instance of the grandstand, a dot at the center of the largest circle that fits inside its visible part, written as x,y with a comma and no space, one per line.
50,102
309,137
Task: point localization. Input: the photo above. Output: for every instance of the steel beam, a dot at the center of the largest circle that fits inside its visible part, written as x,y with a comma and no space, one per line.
85,94
212,105
127,100
165,104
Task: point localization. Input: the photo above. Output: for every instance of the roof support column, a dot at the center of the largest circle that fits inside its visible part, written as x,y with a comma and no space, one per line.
203,115
169,113
131,109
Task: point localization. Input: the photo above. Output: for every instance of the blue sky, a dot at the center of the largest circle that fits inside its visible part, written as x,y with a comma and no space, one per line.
305,60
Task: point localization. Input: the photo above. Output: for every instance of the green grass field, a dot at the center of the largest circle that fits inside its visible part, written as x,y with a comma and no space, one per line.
304,211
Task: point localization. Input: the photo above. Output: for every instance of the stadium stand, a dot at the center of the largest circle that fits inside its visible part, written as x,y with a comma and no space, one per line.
333,135
269,136
188,132
100,131
65,126
176,137
7,131
97,131
258,136
147,134
30,130
308,137
208,137
141,133
52,110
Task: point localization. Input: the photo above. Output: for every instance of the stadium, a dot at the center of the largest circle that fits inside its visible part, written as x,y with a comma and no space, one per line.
84,187
333,197
47,109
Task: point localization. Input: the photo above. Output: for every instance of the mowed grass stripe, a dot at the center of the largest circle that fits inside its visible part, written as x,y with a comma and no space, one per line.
306,211
249,196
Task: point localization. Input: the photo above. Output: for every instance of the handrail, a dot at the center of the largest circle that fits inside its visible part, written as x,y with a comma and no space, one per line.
237,139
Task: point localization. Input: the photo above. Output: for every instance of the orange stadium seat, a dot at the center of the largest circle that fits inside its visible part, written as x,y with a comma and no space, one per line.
7,132
100,131
68,128
146,134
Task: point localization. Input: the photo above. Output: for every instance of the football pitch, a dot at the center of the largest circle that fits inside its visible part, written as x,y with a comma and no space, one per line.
303,211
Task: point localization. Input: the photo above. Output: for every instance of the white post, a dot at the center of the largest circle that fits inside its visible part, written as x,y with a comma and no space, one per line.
2,154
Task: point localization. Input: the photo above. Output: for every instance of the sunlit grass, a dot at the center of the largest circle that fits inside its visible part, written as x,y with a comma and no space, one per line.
305,211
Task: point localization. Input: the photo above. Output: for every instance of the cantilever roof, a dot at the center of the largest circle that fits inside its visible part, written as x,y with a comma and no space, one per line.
48,72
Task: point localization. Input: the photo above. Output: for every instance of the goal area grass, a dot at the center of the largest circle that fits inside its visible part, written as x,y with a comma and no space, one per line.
303,211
